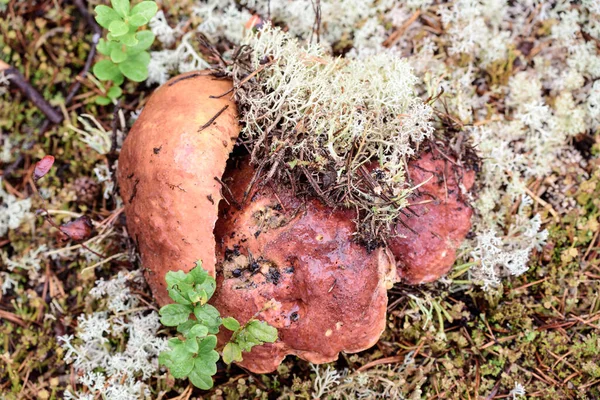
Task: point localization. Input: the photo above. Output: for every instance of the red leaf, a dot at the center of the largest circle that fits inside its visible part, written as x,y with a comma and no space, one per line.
254,21
42,167
79,229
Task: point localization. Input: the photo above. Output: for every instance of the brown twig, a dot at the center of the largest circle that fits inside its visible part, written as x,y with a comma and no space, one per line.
386,360
112,156
16,78
316,187
316,5
397,34
12,317
229,192
246,79
210,121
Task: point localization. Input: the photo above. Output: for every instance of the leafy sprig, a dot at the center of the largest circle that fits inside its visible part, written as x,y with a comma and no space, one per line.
193,353
124,45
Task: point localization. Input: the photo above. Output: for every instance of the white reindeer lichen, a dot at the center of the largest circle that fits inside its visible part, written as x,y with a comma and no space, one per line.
329,117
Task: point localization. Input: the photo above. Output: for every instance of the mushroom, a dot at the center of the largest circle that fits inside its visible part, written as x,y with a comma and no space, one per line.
332,291
436,223
169,171
272,246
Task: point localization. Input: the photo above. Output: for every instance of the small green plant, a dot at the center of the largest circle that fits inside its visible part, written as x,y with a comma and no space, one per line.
192,354
125,44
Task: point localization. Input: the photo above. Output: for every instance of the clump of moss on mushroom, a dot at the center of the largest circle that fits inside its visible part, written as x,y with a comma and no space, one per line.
316,121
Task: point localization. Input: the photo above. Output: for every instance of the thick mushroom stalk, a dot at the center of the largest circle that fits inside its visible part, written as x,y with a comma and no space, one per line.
168,172
332,292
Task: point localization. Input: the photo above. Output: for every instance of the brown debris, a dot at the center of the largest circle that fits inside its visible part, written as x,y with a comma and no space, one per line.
78,230
42,167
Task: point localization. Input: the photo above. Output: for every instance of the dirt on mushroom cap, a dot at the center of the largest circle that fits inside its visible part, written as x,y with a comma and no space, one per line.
167,170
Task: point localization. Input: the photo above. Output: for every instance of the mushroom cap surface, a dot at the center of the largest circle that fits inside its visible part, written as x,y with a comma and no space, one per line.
438,221
167,169
332,293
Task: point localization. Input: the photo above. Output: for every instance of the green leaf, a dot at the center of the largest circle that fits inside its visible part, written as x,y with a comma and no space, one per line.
231,323
175,342
186,326
206,365
128,40
145,40
105,15
118,28
173,278
137,20
106,70
201,381
193,295
179,361
103,101
117,55
246,340
105,47
121,7
118,80
114,92
208,287
176,286
210,358
177,296
262,331
174,314
182,366
207,345
205,284
197,331
208,316
191,345
198,274
145,9
164,358
232,352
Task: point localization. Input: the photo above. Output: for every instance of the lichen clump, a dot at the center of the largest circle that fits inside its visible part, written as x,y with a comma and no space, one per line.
320,122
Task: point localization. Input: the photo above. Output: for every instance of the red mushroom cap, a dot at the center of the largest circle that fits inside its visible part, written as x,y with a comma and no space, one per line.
301,253
438,221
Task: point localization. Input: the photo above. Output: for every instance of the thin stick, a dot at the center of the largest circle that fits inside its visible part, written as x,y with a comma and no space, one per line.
546,205
243,81
386,360
229,192
15,77
103,261
397,34
210,121
12,317
112,156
